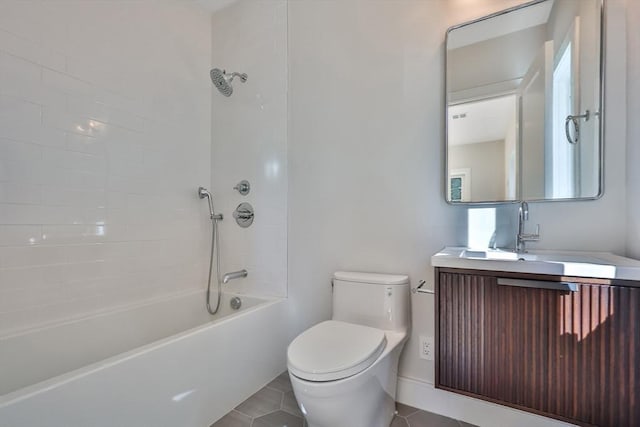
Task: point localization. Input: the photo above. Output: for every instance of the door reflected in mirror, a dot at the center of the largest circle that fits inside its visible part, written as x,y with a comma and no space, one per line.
524,91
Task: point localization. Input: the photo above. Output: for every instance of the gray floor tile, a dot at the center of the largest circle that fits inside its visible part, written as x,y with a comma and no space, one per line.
278,419
399,422
233,419
264,401
281,383
290,404
275,406
428,419
405,410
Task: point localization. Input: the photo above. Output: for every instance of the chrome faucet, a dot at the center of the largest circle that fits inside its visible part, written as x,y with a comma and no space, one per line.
234,275
522,237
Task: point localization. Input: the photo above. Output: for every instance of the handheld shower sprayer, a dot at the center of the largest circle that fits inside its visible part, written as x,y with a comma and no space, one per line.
215,254
202,193
215,250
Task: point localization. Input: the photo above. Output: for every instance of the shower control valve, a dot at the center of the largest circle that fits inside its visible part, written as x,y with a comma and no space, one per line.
244,215
243,187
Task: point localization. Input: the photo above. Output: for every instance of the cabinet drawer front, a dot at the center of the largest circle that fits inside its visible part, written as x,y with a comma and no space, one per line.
572,353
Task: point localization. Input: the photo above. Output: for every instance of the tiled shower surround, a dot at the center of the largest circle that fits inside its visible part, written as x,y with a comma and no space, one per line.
104,139
249,141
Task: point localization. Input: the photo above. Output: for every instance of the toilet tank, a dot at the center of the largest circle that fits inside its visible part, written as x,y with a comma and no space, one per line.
378,300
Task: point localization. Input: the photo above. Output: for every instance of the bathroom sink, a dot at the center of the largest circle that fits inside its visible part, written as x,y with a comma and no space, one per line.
506,255
568,263
497,254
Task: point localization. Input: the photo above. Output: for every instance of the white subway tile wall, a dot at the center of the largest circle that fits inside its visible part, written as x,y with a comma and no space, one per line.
105,134
249,133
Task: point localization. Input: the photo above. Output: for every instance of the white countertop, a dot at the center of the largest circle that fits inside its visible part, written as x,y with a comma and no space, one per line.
603,265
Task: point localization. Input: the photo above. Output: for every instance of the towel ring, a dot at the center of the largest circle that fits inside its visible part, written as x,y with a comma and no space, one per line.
576,126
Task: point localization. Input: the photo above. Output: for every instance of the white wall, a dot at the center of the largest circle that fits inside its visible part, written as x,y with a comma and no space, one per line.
495,60
633,129
104,139
486,161
249,141
365,153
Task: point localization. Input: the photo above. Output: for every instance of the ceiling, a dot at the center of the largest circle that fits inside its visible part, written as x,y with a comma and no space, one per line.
484,121
501,25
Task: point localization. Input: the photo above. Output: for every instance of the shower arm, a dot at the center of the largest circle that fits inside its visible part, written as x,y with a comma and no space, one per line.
242,76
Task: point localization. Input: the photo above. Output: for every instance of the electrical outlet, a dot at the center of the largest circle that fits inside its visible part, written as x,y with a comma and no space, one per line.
426,347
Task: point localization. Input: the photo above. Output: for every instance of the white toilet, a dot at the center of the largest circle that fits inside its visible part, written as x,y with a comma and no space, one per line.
344,371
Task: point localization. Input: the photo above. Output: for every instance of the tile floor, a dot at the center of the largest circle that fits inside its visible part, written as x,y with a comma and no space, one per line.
276,406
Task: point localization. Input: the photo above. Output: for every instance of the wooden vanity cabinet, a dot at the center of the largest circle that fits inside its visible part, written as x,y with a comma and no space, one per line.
570,355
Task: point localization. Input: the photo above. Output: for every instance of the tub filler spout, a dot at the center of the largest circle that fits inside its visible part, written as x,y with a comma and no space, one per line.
234,275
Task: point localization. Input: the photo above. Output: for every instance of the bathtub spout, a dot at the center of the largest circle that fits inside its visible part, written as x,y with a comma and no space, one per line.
234,275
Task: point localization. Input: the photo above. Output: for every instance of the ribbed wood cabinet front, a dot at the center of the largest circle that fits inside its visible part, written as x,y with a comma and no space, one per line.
573,355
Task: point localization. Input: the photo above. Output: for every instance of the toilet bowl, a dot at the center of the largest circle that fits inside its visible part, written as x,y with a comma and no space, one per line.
344,371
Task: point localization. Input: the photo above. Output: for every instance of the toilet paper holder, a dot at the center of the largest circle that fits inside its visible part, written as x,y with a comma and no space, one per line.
419,289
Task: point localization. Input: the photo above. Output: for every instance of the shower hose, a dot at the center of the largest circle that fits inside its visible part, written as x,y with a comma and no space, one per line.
215,251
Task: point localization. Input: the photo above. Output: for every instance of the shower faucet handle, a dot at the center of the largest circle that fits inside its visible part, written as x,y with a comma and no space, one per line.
243,187
244,215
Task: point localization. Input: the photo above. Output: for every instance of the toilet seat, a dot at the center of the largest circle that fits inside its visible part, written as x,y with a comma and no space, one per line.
333,350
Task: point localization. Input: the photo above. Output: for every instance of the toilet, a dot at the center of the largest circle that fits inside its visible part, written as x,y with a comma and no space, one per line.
344,371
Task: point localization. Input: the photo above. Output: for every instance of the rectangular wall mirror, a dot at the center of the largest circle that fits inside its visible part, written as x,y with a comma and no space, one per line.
524,91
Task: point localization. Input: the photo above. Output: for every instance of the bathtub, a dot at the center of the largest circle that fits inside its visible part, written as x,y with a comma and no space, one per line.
166,363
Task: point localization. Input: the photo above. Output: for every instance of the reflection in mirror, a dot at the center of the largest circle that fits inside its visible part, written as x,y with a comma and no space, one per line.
523,104
482,139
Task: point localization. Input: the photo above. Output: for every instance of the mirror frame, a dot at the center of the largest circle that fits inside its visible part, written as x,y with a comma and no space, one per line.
602,112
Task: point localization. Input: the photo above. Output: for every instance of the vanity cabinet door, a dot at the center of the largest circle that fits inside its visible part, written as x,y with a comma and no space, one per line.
571,355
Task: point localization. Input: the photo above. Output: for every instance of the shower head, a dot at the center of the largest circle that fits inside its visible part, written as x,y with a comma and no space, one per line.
222,80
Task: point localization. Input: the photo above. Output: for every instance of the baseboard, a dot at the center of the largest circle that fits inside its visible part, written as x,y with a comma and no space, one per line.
425,396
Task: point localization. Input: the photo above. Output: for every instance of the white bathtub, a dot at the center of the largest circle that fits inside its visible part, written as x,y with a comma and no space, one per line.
166,363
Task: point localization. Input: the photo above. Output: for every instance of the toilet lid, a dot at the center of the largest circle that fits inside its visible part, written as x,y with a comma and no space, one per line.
333,350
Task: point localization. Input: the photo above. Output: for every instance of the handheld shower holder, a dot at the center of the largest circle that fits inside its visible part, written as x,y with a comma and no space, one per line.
202,193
